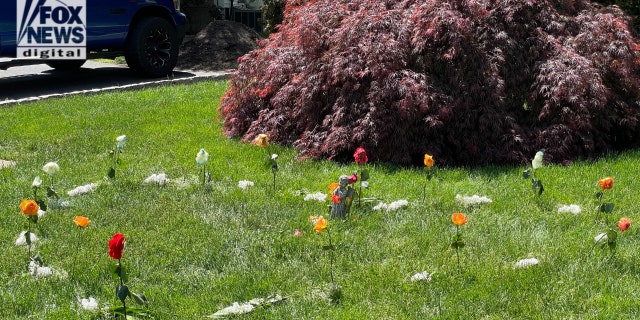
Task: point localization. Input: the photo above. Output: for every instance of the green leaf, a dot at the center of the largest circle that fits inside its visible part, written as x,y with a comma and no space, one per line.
274,165
536,185
34,218
42,205
112,173
599,195
139,298
38,258
457,244
118,272
51,192
527,173
612,236
364,175
607,207
122,292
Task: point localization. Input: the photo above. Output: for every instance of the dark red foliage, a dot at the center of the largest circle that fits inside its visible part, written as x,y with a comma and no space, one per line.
470,82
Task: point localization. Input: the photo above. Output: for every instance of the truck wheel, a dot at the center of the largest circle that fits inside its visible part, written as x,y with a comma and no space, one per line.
152,47
66,65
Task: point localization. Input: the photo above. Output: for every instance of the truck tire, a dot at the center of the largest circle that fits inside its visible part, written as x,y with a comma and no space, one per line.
152,47
65,65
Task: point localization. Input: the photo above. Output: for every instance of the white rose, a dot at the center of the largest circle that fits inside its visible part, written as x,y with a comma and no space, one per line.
536,163
274,156
51,168
37,182
202,157
121,141
601,238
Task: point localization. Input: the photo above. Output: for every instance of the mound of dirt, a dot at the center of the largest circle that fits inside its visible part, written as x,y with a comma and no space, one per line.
217,47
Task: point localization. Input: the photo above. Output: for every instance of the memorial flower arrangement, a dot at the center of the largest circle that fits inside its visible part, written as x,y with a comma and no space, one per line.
609,238
458,219
201,159
262,140
116,249
361,159
536,163
121,141
29,209
320,225
51,168
606,184
428,164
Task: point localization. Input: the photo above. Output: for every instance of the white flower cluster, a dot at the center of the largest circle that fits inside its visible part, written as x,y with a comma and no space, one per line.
393,206
524,263
421,276
6,164
472,200
246,307
87,188
318,196
90,304
243,184
159,179
572,208
36,270
22,240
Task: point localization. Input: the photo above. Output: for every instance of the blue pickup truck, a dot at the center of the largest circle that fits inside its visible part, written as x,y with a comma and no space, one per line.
147,33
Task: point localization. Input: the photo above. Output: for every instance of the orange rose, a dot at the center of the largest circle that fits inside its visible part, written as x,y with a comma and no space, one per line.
29,207
428,160
81,221
606,183
320,224
624,224
333,186
262,140
458,219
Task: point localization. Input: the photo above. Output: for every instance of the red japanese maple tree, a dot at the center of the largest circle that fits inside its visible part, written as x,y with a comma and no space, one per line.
471,82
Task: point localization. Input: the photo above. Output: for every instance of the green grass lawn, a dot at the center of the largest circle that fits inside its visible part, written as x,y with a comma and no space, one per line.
193,250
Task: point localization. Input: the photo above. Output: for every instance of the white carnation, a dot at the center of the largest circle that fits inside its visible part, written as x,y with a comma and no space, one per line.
159,179
524,263
572,208
243,184
36,270
6,164
87,188
391,206
22,240
235,308
472,200
90,304
421,276
318,196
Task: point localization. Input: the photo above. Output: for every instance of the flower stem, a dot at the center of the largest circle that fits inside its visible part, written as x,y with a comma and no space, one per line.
124,304
330,256
458,246
27,237
274,180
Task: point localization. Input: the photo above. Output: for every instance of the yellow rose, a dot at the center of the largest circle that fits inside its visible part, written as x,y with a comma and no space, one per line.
81,221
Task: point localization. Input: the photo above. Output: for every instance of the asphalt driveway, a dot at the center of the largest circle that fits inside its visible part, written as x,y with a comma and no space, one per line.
35,82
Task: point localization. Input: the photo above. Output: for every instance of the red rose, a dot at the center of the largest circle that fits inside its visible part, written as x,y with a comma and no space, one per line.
624,224
116,246
360,156
353,179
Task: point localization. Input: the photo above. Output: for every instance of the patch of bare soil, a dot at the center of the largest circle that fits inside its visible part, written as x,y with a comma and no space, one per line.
217,47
